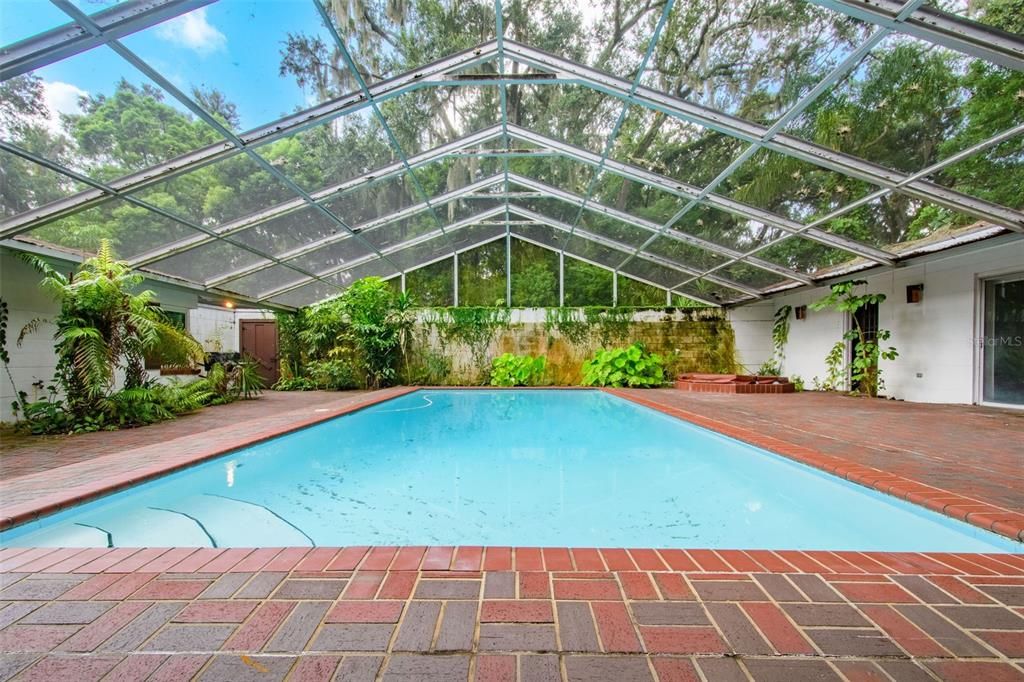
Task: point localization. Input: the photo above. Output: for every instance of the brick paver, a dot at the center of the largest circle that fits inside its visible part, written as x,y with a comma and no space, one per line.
726,623
25,454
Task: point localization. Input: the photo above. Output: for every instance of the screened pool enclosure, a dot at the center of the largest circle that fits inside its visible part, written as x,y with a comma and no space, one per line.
274,151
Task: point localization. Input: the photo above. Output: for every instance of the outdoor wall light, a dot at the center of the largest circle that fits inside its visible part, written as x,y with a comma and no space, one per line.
915,293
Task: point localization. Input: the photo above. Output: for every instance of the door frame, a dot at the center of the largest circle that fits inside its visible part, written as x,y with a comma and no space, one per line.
851,343
978,340
257,320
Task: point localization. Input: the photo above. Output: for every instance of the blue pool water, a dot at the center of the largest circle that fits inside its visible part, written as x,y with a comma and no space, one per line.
526,468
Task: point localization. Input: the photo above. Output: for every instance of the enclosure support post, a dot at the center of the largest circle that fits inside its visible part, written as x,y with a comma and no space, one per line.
508,270
561,279
668,297
403,281
455,279
615,289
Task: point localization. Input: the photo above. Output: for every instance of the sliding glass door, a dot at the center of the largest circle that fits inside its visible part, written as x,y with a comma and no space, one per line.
1003,343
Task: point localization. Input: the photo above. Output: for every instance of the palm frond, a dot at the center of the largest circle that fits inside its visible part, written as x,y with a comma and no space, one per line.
30,328
44,268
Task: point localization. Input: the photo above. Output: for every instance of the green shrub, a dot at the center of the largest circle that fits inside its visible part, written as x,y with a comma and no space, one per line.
374,328
428,368
247,380
294,384
105,326
137,406
226,385
517,370
632,366
332,375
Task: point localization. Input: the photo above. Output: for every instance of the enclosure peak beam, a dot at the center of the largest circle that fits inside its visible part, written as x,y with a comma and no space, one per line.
389,250
342,48
72,38
752,132
938,27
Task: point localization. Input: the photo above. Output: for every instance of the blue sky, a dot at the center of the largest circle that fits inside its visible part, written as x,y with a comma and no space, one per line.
233,46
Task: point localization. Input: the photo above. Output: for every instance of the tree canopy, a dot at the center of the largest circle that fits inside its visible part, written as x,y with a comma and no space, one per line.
907,105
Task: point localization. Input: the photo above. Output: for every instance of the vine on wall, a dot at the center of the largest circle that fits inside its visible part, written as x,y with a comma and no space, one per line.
691,340
475,327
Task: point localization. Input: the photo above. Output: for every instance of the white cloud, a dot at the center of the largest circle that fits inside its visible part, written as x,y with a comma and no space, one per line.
194,32
61,98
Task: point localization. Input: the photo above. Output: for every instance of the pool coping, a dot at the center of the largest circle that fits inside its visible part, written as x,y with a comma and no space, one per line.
975,512
999,520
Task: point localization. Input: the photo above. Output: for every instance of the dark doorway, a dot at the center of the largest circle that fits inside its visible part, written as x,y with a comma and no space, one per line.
866,319
258,340
1003,350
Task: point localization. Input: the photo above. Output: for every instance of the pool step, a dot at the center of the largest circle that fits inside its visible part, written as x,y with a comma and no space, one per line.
240,523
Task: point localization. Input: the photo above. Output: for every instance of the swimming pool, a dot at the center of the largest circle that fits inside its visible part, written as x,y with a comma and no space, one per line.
499,467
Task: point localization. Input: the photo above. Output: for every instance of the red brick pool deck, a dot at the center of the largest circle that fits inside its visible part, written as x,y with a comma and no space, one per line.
444,613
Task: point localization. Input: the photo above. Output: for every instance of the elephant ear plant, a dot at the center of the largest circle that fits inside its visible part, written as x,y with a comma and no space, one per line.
864,368
517,370
631,367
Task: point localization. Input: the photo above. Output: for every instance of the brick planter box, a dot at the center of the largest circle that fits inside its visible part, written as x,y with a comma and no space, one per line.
733,383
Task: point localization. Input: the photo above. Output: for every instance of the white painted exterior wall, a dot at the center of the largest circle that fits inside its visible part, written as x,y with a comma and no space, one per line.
752,326
217,328
937,339
33,363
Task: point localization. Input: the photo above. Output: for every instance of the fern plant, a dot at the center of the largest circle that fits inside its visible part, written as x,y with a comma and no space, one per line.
104,327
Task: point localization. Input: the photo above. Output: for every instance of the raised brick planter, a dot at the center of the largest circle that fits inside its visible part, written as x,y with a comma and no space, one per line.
733,383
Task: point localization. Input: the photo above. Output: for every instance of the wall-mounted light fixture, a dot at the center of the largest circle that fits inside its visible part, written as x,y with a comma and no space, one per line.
800,312
915,293
229,304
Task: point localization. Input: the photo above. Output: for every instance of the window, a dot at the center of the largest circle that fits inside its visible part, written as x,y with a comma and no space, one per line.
155,358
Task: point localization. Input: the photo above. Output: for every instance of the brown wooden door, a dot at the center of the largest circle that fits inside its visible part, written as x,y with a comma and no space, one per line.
259,342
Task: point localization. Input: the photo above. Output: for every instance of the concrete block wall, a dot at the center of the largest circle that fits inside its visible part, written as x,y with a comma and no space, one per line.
671,335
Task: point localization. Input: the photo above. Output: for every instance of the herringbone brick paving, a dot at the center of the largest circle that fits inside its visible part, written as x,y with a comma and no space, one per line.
443,613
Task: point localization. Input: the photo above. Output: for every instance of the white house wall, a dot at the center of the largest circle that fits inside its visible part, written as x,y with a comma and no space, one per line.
752,327
216,328
937,339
